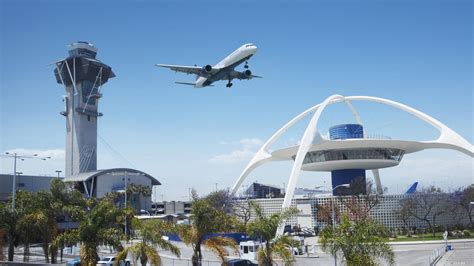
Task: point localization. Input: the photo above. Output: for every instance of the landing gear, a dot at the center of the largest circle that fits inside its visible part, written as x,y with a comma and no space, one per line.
246,64
228,85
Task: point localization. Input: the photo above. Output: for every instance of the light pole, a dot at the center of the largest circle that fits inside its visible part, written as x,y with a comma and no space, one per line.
126,179
334,217
58,171
16,156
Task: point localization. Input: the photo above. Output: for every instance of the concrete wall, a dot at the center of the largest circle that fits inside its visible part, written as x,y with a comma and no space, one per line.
23,182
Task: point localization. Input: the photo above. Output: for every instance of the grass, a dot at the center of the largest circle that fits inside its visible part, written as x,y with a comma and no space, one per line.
426,237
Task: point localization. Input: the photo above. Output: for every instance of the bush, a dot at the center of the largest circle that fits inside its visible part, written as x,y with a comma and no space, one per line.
466,233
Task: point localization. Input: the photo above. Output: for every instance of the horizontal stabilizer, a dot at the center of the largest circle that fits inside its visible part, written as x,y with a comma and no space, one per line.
185,83
255,76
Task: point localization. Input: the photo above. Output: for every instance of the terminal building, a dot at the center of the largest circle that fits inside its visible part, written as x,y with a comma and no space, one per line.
385,211
261,191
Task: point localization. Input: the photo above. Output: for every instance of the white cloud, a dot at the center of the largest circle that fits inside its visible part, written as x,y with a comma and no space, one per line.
53,153
31,166
247,148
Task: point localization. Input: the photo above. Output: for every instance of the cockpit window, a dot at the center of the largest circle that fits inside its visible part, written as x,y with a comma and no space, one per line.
250,44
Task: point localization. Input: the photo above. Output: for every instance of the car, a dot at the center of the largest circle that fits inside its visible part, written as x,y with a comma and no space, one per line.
74,262
240,262
110,260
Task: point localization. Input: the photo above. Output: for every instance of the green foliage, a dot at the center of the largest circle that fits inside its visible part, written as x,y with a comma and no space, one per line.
8,222
101,225
361,242
150,234
35,216
208,216
466,233
264,228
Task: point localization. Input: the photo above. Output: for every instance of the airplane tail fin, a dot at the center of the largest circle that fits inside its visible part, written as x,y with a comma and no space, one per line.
185,83
412,189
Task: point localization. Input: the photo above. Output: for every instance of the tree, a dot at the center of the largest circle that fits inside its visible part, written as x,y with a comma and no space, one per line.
2,243
426,206
208,217
29,219
243,210
8,221
357,207
102,224
360,242
265,228
465,199
150,233
360,205
139,190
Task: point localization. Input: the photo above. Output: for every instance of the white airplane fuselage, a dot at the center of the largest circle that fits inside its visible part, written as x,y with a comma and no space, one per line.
234,59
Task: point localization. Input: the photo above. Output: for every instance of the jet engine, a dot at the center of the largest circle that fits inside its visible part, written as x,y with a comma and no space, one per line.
207,69
247,74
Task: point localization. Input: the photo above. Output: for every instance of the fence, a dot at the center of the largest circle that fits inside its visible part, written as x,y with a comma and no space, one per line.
187,262
436,256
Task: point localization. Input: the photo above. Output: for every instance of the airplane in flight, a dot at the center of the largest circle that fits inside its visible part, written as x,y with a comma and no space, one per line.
224,70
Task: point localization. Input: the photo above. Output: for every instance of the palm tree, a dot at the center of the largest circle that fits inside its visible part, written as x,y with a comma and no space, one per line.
102,224
206,219
360,242
151,233
264,228
8,222
2,243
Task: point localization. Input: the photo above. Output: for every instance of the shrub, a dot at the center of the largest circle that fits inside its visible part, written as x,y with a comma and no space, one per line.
466,233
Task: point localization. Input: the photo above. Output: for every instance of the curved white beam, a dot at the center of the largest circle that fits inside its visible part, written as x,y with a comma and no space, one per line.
378,184
263,155
447,139
305,144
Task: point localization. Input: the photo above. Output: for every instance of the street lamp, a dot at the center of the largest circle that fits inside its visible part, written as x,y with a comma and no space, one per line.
126,180
333,216
58,171
16,156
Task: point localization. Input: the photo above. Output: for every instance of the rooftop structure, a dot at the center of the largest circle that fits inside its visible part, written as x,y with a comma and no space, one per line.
316,153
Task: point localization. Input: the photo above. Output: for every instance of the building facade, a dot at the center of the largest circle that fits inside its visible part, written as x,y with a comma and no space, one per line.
385,211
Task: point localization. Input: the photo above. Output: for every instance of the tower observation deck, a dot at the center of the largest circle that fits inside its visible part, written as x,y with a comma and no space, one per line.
82,76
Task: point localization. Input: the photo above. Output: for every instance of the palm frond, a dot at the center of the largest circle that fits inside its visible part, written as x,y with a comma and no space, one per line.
217,245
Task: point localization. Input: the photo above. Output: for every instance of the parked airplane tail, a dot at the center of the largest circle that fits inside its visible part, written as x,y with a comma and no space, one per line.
412,189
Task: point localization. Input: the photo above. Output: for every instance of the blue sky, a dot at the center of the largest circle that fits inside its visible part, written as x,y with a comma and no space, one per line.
415,52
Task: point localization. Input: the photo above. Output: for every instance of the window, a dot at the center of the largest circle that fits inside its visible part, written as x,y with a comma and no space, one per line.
246,249
88,88
354,154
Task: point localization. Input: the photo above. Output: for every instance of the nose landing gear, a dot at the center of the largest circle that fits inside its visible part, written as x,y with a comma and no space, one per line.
228,85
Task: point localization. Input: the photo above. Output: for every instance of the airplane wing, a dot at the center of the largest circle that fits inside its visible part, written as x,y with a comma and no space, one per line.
241,75
184,69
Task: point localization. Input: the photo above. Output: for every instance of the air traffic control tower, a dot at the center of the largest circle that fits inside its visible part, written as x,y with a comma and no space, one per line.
82,76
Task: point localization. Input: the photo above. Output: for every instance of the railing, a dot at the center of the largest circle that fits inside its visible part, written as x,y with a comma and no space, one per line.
187,262
360,136
437,255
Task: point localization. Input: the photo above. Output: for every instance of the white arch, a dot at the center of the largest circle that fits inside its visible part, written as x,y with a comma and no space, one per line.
262,155
448,139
